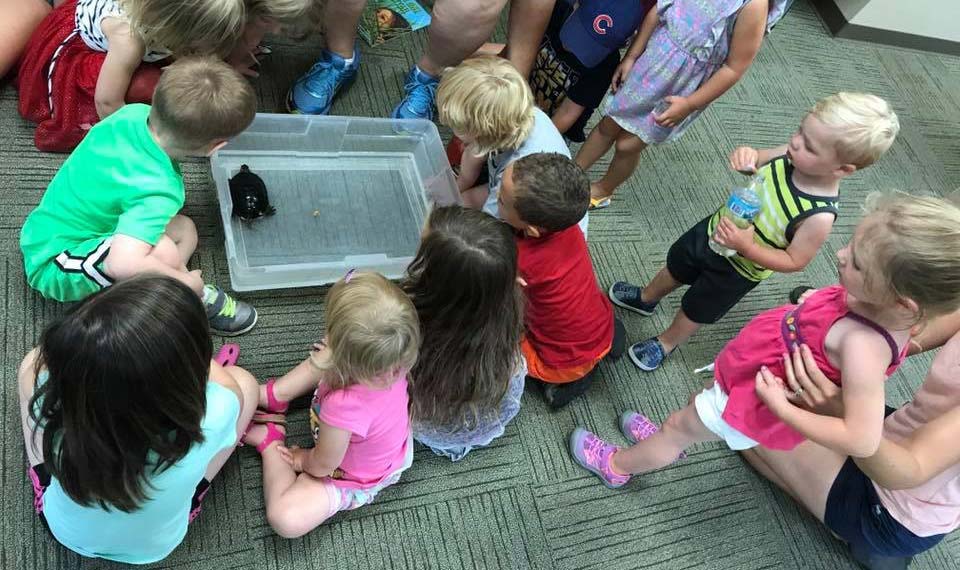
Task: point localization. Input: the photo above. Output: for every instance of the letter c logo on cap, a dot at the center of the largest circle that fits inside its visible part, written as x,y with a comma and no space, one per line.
602,23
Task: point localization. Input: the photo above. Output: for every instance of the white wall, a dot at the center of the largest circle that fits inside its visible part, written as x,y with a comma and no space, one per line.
928,18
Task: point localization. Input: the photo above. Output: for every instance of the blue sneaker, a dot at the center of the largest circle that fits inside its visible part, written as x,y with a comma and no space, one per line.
627,296
648,355
420,92
314,92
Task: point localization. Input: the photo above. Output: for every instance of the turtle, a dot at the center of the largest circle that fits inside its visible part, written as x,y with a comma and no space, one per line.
249,196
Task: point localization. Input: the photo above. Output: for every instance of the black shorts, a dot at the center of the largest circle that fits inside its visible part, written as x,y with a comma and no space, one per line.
715,286
854,513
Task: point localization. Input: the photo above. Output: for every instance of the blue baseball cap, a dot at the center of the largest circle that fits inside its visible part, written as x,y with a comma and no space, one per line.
598,27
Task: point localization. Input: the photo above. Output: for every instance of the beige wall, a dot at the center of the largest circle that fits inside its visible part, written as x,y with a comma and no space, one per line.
929,18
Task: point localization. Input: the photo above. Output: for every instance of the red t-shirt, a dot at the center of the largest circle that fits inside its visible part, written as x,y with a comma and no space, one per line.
569,320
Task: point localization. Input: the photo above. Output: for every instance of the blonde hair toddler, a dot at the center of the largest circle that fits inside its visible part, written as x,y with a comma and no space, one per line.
492,112
900,268
358,415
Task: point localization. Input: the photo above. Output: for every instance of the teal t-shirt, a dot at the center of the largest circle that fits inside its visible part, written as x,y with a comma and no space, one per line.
159,525
117,181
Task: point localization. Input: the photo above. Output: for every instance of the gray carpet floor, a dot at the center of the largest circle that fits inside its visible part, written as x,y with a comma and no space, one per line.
523,503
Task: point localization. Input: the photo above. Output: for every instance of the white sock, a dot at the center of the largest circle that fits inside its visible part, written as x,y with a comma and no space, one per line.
348,61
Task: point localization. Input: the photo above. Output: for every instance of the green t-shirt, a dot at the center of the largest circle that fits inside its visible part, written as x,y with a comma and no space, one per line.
117,181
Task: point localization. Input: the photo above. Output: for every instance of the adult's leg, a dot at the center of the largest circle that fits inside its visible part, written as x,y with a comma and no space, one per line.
528,21
681,430
296,504
340,19
806,473
18,18
457,29
250,390
32,440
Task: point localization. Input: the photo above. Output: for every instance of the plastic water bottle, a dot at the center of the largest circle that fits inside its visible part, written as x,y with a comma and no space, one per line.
742,206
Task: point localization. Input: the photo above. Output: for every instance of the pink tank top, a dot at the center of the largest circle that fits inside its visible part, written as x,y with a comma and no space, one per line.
934,507
763,342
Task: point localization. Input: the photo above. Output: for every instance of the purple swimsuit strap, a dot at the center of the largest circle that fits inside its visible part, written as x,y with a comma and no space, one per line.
894,349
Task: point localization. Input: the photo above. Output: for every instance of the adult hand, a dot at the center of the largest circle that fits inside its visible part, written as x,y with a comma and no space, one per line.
810,387
744,159
678,110
729,235
620,75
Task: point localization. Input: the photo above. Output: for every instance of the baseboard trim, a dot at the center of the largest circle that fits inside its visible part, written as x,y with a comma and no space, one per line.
841,28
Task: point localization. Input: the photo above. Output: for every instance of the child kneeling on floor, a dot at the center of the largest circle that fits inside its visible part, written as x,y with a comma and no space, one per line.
127,419
111,212
490,108
359,414
569,323
900,268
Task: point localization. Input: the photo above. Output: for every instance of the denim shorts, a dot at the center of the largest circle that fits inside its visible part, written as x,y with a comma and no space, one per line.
855,514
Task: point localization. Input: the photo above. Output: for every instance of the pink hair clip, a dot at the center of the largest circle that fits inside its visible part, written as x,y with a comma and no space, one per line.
349,275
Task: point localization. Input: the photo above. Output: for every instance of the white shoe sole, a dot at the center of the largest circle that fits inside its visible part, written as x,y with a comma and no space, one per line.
636,361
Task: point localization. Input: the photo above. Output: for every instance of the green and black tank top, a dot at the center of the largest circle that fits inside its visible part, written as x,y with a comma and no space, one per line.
783,207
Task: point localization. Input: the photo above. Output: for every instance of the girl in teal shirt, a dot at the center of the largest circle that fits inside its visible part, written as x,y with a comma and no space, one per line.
127,419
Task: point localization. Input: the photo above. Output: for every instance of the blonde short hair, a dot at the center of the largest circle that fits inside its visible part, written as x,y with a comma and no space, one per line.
865,125
487,98
286,12
202,100
913,243
372,331
188,27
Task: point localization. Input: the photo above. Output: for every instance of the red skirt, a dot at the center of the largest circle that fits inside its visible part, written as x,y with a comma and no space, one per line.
57,77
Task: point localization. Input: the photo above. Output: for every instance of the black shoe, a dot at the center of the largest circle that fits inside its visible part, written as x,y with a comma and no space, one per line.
797,292
619,345
559,395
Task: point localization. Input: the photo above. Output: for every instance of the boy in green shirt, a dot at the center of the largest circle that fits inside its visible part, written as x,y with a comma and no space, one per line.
111,212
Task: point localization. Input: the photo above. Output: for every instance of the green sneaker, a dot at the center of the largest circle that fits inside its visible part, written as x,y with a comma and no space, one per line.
228,317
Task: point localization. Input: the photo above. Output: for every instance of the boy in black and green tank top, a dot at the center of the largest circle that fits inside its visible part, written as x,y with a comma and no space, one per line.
799,203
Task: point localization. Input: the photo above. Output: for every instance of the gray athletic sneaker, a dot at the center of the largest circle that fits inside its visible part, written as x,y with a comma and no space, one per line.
228,317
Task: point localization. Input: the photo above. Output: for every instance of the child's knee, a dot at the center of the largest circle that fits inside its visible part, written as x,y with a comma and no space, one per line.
629,144
181,228
248,385
26,373
684,421
286,522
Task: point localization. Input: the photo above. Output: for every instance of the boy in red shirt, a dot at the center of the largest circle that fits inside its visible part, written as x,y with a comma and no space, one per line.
570,325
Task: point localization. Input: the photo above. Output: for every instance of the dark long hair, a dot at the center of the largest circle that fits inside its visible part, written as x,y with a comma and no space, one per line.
126,389
463,284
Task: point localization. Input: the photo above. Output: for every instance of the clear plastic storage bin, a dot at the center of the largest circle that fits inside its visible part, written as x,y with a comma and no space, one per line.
348,192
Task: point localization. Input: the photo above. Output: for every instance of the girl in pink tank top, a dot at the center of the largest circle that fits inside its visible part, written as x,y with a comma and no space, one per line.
890,280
